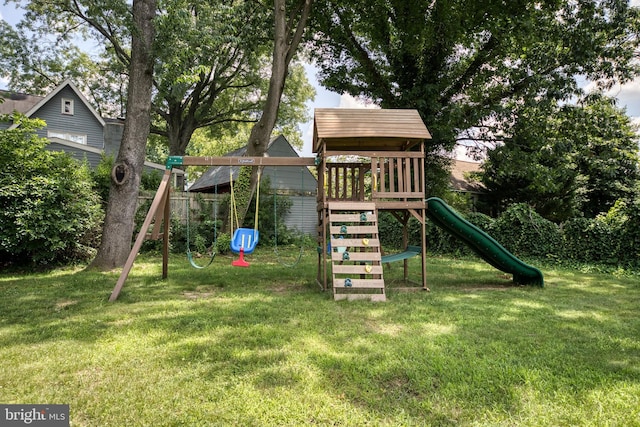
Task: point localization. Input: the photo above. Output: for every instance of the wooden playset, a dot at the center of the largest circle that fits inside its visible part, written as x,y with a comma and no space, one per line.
368,161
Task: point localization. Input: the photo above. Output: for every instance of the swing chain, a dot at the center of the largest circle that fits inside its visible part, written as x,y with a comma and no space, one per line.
215,229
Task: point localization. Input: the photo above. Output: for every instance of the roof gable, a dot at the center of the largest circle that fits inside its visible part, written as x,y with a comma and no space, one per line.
223,175
459,178
51,95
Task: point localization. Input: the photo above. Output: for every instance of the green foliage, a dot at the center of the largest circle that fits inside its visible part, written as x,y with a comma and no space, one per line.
466,64
150,180
51,213
101,176
389,230
627,215
589,240
524,232
610,239
565,160
274,209
204,227
223,244
210,61
606,154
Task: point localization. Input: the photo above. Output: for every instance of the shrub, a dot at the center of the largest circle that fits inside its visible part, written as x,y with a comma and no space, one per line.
51,214
623,219
389,230
589,240
525,233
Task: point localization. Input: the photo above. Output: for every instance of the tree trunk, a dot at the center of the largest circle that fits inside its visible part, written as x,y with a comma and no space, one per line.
284,47
118,227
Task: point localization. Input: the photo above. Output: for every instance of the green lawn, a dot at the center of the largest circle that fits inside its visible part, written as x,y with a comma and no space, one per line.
264,346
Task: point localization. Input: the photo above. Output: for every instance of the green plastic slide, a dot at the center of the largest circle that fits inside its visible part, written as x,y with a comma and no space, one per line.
482,244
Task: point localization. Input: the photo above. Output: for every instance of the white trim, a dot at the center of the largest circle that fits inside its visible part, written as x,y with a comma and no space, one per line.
75,145
63,133
95,150
63,107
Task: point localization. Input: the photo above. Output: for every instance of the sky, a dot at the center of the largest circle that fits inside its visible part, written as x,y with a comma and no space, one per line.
628,95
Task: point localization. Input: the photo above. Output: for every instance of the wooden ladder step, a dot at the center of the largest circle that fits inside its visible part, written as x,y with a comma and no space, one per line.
356,264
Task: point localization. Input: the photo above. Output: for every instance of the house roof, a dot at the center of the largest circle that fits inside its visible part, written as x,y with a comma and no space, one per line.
15,101
459,177
43,100
368,129
221,176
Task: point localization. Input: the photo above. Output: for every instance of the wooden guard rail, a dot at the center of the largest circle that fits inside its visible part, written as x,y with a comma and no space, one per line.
398,176
346,181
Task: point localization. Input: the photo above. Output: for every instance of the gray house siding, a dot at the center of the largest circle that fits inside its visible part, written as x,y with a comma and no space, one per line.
303,215
82,121
291,179
93,157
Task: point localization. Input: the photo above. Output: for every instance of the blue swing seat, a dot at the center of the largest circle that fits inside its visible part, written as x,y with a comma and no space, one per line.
246,238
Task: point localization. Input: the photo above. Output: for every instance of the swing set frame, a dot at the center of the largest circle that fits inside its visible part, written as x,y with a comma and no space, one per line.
160,210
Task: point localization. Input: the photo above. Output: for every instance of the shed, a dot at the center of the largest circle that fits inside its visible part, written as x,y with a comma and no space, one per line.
297,182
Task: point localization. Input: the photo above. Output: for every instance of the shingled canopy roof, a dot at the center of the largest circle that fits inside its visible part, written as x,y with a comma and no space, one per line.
343,129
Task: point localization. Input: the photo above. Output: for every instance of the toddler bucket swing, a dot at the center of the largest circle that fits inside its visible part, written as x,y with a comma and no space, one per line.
244,240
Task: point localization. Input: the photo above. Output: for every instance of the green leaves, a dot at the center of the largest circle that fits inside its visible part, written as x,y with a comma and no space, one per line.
50,211
464,63
565,160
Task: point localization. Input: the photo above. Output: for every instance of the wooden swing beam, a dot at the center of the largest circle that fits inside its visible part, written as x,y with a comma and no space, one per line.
159,212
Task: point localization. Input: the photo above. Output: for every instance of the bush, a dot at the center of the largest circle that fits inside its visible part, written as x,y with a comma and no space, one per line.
589,240
51,214
203,229
630,233
525,233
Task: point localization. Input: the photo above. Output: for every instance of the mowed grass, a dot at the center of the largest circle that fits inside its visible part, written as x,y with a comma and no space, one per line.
264,346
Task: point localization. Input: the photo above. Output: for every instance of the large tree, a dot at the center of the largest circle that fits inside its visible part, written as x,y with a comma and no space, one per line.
212,59
290,23
565,159
127,172
462,63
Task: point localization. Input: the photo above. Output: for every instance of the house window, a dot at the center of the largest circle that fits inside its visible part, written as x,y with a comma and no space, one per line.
69,136
67,106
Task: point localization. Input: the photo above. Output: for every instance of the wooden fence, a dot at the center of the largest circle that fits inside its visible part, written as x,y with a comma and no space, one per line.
179,202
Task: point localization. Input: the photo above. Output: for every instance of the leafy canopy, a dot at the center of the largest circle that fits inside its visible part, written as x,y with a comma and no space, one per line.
463,63
565,160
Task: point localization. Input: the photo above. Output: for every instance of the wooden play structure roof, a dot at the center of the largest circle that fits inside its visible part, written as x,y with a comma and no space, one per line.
343,129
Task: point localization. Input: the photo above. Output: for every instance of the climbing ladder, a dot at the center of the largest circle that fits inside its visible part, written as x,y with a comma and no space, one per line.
355,251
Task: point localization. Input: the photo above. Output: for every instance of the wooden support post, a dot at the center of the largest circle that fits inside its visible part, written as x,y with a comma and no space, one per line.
158,205
165,235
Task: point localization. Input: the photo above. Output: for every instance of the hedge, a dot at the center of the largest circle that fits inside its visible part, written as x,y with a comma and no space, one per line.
611,239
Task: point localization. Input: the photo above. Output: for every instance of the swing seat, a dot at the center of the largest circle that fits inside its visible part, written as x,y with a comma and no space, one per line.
246,239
